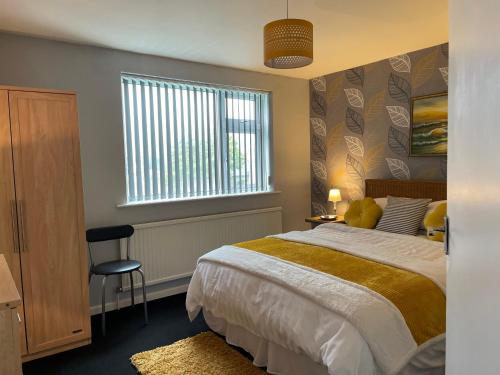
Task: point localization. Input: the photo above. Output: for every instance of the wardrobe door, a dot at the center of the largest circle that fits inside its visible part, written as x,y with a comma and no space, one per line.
50,213
9,244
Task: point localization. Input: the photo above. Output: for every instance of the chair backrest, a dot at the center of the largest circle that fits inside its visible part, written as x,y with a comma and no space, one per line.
109,233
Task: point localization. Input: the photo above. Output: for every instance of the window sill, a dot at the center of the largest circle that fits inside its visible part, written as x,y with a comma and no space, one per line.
194,199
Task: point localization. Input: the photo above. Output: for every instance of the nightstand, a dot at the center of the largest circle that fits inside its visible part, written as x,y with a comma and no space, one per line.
316,220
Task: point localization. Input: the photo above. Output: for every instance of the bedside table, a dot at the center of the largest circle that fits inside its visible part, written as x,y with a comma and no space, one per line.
316,220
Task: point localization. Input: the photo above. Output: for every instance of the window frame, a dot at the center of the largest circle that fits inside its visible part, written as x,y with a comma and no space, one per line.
267,144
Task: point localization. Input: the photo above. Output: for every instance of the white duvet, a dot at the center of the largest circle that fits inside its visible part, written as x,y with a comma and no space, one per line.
347,328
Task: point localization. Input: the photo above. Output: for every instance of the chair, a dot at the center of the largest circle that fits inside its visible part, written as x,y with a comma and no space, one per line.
116,267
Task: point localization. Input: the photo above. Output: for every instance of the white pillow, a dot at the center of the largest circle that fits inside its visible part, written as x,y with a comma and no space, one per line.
382,202
431,207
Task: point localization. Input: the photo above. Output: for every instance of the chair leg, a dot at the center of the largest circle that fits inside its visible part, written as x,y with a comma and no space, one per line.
132,288
144,295
103,313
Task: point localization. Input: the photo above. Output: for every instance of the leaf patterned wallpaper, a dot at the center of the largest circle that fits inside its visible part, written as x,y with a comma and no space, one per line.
360,123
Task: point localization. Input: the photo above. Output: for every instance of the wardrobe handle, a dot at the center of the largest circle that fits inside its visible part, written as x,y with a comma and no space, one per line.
21,227
14,226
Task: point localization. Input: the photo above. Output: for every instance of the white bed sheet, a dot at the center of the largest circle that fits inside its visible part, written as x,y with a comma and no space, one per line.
281,316
281,361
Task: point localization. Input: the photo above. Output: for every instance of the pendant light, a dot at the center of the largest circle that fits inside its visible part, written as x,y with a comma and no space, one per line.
288,43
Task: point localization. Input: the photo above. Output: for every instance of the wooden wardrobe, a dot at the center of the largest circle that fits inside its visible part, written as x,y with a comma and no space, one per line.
41,218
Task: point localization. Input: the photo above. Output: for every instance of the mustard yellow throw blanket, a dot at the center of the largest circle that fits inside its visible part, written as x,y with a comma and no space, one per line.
420,300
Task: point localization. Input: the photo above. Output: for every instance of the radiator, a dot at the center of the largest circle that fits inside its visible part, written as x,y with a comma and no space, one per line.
168,250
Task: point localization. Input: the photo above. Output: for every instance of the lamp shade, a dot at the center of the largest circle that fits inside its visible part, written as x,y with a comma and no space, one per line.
334,195
288,43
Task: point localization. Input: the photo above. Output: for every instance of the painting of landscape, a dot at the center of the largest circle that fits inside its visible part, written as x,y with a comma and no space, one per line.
429,129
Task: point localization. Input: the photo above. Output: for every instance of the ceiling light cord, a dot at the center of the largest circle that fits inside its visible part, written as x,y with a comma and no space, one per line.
287,9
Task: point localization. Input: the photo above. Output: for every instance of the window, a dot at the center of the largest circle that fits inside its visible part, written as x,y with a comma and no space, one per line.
186,140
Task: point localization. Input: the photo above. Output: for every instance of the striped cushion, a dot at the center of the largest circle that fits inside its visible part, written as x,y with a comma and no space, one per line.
403,215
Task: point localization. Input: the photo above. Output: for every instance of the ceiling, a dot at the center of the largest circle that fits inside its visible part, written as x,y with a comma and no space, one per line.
347,33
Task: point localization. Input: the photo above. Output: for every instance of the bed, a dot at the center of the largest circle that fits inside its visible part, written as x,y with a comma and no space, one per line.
332,300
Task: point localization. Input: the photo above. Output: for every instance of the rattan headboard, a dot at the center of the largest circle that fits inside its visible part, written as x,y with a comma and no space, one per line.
436,190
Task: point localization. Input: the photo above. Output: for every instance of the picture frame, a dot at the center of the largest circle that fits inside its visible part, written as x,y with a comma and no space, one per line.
429,125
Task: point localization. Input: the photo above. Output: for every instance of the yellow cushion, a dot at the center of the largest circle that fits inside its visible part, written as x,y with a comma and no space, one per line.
363,213
435,219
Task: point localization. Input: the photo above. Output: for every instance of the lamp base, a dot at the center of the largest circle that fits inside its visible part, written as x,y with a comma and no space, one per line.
328,217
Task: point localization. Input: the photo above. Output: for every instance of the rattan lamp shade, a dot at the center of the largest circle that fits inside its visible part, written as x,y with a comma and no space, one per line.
288,43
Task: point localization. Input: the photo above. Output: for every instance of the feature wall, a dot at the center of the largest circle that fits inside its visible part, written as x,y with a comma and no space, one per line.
360,124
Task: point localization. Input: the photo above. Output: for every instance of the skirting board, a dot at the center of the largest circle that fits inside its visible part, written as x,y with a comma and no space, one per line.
110,306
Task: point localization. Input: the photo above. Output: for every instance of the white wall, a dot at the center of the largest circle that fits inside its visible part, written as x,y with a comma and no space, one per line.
473,308
95,74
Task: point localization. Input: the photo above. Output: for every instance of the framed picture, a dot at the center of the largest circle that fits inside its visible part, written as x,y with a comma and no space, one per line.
429,125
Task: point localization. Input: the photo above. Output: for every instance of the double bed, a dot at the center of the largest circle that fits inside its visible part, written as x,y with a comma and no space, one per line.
332,300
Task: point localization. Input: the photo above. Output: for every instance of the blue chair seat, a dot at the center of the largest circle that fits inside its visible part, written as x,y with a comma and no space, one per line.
116,267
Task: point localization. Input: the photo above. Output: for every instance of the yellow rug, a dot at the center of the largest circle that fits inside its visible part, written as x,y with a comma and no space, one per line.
206,354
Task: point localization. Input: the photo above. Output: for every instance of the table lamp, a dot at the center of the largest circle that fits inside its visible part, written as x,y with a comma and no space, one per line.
334,196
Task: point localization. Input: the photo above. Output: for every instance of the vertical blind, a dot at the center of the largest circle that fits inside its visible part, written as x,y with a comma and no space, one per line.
187,140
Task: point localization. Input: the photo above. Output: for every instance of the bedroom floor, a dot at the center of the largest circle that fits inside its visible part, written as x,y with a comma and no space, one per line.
126,335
